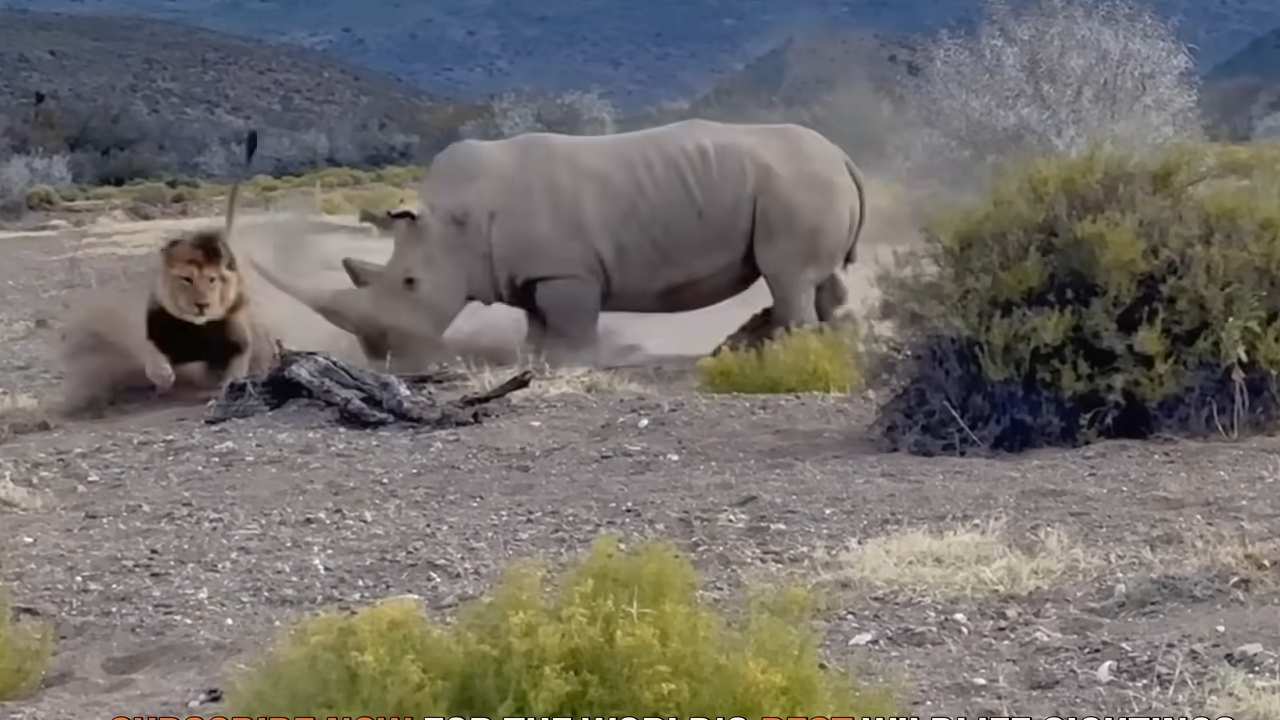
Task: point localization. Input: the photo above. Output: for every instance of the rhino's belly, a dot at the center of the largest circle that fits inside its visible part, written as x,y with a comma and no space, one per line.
662,295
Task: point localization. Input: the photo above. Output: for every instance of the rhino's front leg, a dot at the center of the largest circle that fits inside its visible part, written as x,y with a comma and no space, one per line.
568,318
535,337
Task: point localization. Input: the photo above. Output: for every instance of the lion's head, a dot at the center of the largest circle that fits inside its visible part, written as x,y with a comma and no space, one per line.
199,281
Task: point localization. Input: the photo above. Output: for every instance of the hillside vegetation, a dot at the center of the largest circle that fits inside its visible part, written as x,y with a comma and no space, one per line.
637,54
132,97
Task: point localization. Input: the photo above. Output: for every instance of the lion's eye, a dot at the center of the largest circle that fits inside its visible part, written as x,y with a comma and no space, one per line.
187,280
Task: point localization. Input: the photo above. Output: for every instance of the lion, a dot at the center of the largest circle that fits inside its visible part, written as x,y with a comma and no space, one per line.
192,311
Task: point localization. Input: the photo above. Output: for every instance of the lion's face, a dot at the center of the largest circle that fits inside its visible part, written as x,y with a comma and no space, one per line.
199,281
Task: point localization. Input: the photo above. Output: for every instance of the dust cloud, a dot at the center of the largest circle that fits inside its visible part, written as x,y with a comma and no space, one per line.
308,250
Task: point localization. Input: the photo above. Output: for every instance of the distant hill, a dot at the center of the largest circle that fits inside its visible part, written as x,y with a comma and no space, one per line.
180,88
806,67
1243,90
638,53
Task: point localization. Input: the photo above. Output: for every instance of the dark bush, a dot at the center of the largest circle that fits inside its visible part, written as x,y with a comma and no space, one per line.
1103,296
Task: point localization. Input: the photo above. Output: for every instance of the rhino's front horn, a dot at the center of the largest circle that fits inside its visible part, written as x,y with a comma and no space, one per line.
362,272
344,308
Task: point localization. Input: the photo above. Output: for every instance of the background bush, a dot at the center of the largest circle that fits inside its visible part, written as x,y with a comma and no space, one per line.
623,633
1111,294
1049,76
21,173
25,651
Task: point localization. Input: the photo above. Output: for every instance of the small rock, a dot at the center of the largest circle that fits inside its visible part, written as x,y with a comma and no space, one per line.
980,682
1247,652
862,639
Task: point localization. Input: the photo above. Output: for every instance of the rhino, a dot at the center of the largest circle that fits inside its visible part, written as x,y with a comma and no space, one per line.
667,219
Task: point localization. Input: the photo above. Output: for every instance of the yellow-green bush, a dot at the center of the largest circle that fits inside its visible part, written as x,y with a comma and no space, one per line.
622,633
42,197
399,176
1105,295
825,359
331,178
25,651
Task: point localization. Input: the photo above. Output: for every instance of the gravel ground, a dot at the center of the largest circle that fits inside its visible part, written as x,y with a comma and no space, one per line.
166,547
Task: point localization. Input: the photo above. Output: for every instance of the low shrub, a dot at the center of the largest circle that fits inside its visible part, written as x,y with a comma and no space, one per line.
623,633
399,176
41,197
22,172
26,648
824,359
1105,295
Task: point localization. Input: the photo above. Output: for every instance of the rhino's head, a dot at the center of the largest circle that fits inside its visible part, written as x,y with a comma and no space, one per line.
397,311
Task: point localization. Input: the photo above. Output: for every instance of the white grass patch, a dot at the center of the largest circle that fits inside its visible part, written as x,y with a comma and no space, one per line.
977,560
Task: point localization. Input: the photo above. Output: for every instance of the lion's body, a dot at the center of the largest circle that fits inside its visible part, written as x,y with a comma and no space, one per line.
213,343
191,311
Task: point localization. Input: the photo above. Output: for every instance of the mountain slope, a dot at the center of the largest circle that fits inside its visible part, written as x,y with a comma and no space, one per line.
1242,93
638,53
189,74
115,83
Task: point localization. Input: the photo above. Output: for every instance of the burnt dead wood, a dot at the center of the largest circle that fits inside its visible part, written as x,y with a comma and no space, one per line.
361,397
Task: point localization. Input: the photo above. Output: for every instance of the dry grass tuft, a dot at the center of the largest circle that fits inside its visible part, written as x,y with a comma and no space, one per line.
17,497
961,562
20,414
549,381
1241,695
1235,553
17,402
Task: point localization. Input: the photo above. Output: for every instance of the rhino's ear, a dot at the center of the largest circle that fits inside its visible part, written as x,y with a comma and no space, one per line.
362,272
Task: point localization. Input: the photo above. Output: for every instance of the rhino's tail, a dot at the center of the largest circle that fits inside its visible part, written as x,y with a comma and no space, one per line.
859,182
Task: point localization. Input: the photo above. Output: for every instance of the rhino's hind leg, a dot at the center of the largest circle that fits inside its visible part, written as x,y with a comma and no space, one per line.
830,297
565,322
795,302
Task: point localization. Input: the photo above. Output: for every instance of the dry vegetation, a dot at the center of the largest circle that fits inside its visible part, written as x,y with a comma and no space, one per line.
331,191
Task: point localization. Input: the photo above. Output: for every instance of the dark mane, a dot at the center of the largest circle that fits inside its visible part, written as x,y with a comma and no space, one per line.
209,247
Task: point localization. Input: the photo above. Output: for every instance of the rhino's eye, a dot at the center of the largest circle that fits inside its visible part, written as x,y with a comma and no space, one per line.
410,282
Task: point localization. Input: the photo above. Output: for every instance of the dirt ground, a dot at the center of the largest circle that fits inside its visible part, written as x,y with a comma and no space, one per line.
1122,579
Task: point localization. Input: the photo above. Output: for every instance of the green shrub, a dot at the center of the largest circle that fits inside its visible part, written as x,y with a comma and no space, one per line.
25,651
104,193
1106,295
151,193
806,360
264,185
624,633
70,193
42,197
399,176
336,177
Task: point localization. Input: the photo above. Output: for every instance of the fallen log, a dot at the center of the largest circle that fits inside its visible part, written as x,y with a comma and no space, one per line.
361,397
